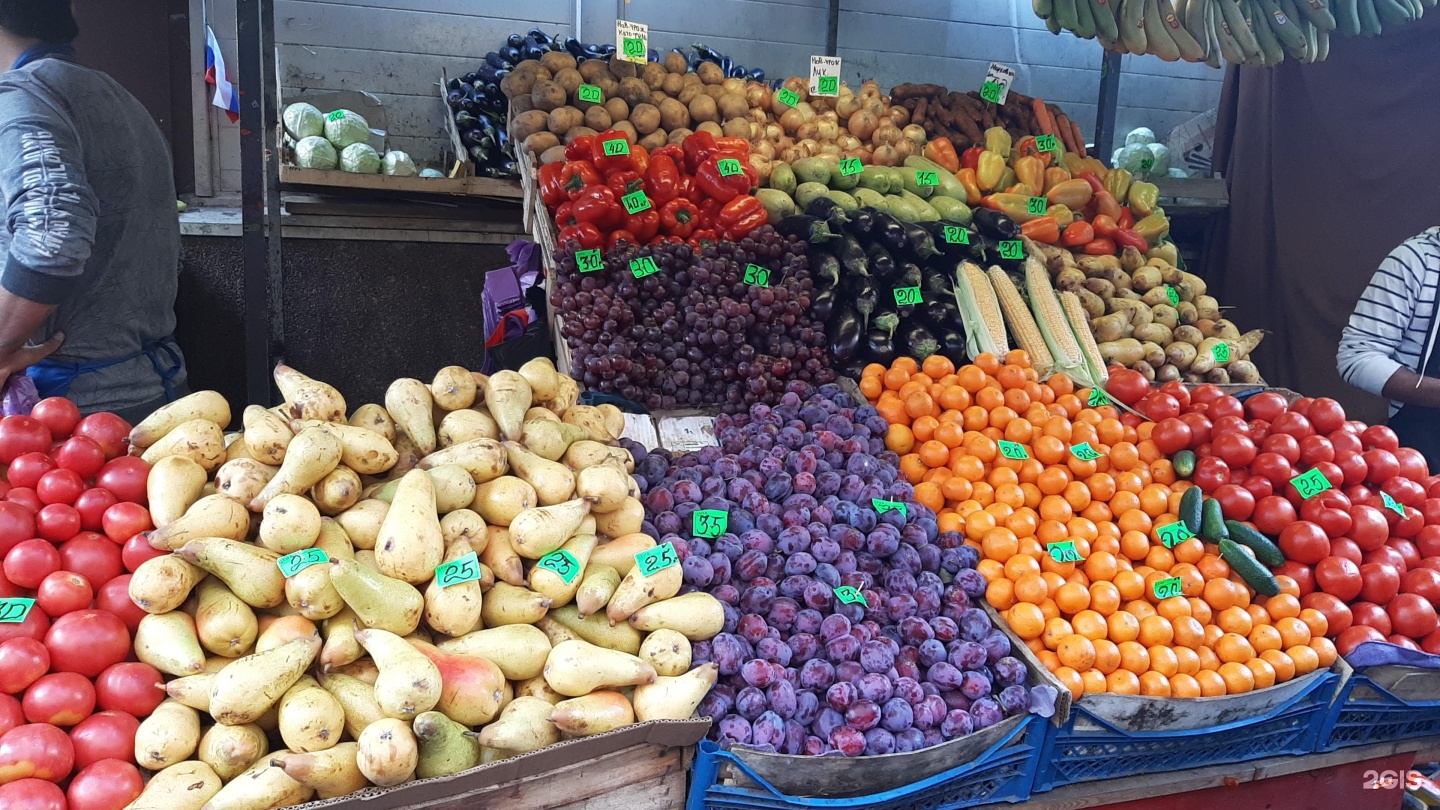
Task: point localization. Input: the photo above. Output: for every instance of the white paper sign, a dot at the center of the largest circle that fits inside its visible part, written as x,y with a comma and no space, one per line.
686,434
630,33
641,428
1002,76
824,75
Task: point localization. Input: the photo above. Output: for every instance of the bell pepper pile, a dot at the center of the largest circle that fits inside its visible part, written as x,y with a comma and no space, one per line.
1061,198
610,189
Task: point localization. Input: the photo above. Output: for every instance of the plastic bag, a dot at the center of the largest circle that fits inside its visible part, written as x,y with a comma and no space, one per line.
20,396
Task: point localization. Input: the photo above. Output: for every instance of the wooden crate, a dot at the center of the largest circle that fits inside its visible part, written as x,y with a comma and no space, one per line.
450,186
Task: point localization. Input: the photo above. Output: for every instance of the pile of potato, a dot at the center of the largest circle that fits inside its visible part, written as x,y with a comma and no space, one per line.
429,585
1151,316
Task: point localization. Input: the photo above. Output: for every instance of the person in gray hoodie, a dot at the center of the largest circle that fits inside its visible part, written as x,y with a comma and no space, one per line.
90,242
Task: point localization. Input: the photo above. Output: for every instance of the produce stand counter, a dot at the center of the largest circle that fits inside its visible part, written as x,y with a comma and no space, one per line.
312,217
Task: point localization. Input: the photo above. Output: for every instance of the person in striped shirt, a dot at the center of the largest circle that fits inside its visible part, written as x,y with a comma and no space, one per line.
1388,348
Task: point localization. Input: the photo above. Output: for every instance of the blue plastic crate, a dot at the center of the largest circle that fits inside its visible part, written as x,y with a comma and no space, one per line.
1366,712
1100,750
1003,773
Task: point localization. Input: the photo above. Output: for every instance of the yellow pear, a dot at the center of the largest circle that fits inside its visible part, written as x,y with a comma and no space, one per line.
555,631
312,454
537,687
539,531
550,438
410,404
484,459
309,590
454,608
674,698
445,748
620,552
410,544
169,735
307,398
378,601
225,625
311,719
167,641
554,483
453,388
264,785
523,726
577,668
507,604
361,522
466,525
596,589
182,786
544,380
340,647
463,425
367,452
409,682
199,440
231,750
560,578
595,713
289,524
356,698
638,590
210,516
698,615
669,651
597,630
175,483
628,519
500,556
162,584
471,686
207,405
388,752
241,479
246,689
267,435
331,773
500,500
192,690
519,650
374,418
251,572
337,491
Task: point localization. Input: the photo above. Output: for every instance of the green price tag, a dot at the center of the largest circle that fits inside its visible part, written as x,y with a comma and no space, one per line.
335,116
788,97
907,296
956,235
729,167
562,564
455,572
709,523
1173,534
655,560
644,266
1063,552
635,47
1012,249
990,91
1221,351
1084,452
1014,450
589,261
849,166
927,178
1172,295
757,275
616,146
1311,483
292,564
590,94
828,86
1391,504
881,507
15,609
1046,143
1166,588
635,202
850,595
1037,206
1147,163
1097,398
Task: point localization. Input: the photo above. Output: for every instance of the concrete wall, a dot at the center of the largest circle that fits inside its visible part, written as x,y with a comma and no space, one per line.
396,49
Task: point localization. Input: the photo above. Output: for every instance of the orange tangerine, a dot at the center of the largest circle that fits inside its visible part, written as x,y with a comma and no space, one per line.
1104,597
1154,684
1187,660
1140,608
1208,658
1264,673
1020,566
1173,607
1048,659
1123,626
1094,681
1316,621
1130,584
1107,655
1032,588
1050,609
1055,630
1076,651
1258,614
1184,686
1163,660
1219,593
1280,662
1293,632
1134,656
1189,632
1071,680
1211,683
1324,648
1156,630
1238,678
1073,598
1265,637
1235,620
1090,624
1122,682
1000,593
1212,635
1283,606
1305,658
1026,620
1235,648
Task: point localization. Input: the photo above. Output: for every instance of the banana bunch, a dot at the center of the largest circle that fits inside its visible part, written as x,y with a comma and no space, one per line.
1249,32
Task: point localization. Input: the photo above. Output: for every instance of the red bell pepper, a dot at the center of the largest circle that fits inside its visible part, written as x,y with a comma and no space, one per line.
698,146
576,176
1100,246
1104,203
738,147
1104,225
1126,219
1095,184
586,235
672,150
679,217
608,164
721,187
582,148
618,236
970,158
625,182
709,208
1042,229
640,156
1077,233
552,188
663,179
599,206
644,225
701,239
740,216
1124,237
565,214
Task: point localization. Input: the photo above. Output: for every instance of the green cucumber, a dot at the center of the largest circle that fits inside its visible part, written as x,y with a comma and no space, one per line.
1184,463
1257,576
1265,550
1190,508
1212,521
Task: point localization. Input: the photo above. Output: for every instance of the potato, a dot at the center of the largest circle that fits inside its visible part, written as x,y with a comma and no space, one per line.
673,84
634,91
715,91
520,104
653,75
627,128
555,154
675,63
597,118
548,95
678,136
737,128
570,79
618,109
710,73
690,92
522,79
657,96
732,105
712,128
579,132
563,118
591,68
691,79
673,114
645,117
609,85
540,141
702,108
557,61
529,123
621,68
654,140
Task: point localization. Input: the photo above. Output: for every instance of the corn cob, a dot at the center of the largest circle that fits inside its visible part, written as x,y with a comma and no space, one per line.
1064,348
984,326
1022,323
1079,323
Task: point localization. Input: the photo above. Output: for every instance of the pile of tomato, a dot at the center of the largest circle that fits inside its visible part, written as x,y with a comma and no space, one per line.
1364,546
72,517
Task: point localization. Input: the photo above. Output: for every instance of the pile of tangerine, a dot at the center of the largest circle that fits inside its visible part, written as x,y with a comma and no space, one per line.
1097,625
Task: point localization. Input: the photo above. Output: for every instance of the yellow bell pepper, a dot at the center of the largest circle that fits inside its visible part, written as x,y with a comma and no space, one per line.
1031,172
1021,188
997,140
1062,214
967,178
1071,193
1118,183
1007,178
1153,227
1054,176
1095,167
1142,198
989,170
1015,206
1073,163
1166,252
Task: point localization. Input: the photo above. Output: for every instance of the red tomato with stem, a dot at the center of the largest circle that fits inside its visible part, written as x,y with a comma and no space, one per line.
1430,510
1338,577
1226,405
1266,405
1292,424
1405,491
1235,449
1210,474
1412,615
1372,615
1205,394
1403,641
82,455
35,626
91,505
60,699
131,687
1228,424
1345,443
1304,542
22,662
1126,385
1283,444
114,597
1171,436
26,497
1379,436
137,550
1236,502
110,784
1410,525
1159,406
1178,391
57,414
38,750
17,524
1352,468
1354,636
104,735
108,430
1259,430
125,520
1427,542
87,641
1315,449
1337,613
1335,522
1379,582
1386,555
64,592
93,557
1408,552
1274,467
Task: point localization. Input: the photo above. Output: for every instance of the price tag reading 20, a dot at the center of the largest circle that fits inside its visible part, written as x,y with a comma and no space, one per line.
709,523
456,572
1311,483
15,609
590,94
787,97
562,564
907,296
990,91
1012,249
956,235
1084,452
292,564
655,560
1173,534
1166,588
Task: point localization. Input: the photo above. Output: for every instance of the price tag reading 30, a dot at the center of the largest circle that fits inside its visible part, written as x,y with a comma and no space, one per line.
956,235
644,266
1037,206
562,564
456,572
632,41
850,595
1063,552
589,261
655,560
824,75
1014,450
15,609
1173,534
1012,249
292,564
1044,143
881,507
709,523
757,275
1311,483
1166,588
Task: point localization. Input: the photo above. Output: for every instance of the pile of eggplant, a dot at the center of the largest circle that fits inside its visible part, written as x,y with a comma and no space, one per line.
699,54
860,259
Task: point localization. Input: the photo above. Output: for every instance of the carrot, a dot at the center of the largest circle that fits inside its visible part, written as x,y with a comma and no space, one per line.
1062,125
1079,139
1042,117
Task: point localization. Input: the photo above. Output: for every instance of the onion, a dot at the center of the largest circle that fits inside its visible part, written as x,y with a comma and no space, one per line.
829,130
914,132
773,132
847,106
733,85
791,120
762,165
763,149
806,110
790,155
875,107
756,130
871,85
906,147
759,116
785,142
862,124
899,116
757,95
807,130
809,146
886,156
829,115
830,149
886,134
847,142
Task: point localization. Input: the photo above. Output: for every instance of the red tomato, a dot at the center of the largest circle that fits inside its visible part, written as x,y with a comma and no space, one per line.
1159,406
1266,405
1171,436
1236,502
137,550
58,522
28,563
1423,582
27,470
1382,465
1210,474
64,592
1259,430
1303,575
1412,464
32,794
1353,468
1357,493
110,784
16,524
1430,510
1344,442
108,430
1260,487
126,477
60,486
1127,386
20,435
1431,643
1403,490
1199,427
91,505
1345,547
131,687
1412,615
1387,555
1379,436
1410,525
58,414
1224,406
1228,424
1326,415
22,662
1235,449
104,735
1379,582
1403,641
1304,542
114,597
1315,449
93,557
125,520
1427,542
1355,636
1273,514
35,626
1408,552
11,715
1177,389
25,497
1337,613
82,455
1339,577
1368,527
1274,467
60,699
1282,444
1205,394
87,641
1372,615
38,750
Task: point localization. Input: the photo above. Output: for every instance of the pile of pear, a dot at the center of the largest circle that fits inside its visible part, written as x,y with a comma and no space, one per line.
362,670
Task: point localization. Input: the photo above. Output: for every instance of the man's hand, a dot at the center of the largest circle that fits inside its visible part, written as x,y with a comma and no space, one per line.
28,356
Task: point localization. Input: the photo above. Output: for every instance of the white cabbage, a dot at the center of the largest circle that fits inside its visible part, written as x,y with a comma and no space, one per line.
344,128
303,120
315,152
1140,136
360,158
399,164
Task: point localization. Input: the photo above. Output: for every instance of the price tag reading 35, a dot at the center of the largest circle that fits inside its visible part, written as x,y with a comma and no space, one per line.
562,564
1012,249
956,235
644,266
1311,483
15,609
881,507
709,523
824,75
1063,552
849,595
1166,588
1173,534
1014,450
589,261
655,560
907,296
292,564
757,275
456,572
632,41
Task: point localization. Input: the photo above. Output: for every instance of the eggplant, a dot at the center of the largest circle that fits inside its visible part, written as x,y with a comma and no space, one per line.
756,75
822,304
533,49
922,245
824,268
938,280
707,53
828,210
995,224
811,229
941,313
882,265
862,222
494,60
909,276
918,341
952,344
574,47
852,257
843,333
864,297
514,41
889,231
880,346
726,65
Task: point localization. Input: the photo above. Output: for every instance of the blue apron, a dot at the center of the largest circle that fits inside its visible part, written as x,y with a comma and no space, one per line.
53,378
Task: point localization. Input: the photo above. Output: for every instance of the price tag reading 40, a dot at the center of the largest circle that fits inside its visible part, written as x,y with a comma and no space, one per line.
589,261
616,146
729,167
1012,249
1063,552
956,235
644,266
632,40
1173,534
635,202
709,523
1166,588
562,564
655,560
927,178
292,564
849,595
907,296
1014,450
1311,483
15,609
455,572
881,507
757,275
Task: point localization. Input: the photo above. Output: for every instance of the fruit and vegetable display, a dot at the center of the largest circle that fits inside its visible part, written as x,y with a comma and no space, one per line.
849,623
338,140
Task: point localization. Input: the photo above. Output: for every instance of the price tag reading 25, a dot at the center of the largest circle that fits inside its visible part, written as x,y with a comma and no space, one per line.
292,564
456,572
1311,483
562,564
655,560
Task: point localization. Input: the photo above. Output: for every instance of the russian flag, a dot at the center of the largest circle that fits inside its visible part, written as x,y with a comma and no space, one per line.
225,95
